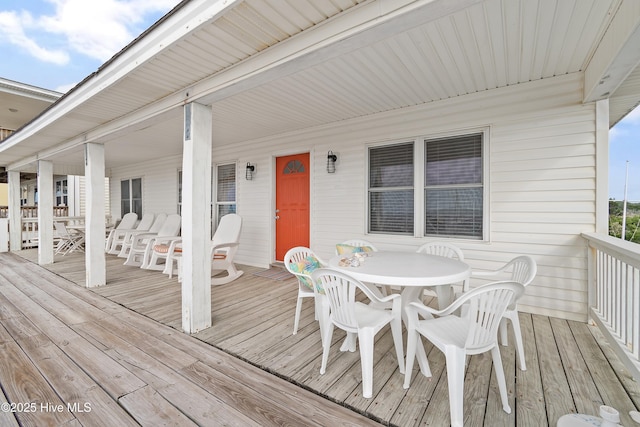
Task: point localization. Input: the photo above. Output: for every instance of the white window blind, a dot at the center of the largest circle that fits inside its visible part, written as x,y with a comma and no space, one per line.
391,198
453,187
226,190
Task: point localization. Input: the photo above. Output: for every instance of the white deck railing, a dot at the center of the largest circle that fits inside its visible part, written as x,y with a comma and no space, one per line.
614,295
30,228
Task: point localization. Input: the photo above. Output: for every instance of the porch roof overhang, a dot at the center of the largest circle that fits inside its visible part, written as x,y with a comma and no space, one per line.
268,69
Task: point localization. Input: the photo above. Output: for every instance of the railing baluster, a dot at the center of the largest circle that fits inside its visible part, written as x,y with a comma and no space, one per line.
614,295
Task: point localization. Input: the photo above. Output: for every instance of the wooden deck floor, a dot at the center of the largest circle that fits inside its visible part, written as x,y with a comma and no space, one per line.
155,375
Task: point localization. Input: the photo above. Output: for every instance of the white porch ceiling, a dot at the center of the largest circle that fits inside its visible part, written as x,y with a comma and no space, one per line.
269,68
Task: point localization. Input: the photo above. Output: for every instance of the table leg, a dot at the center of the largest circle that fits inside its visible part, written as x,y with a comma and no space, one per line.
410,294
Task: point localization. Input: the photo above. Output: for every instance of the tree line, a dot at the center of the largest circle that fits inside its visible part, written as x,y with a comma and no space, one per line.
632,229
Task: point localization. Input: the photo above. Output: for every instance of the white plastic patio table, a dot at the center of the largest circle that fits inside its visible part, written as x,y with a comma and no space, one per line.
411,271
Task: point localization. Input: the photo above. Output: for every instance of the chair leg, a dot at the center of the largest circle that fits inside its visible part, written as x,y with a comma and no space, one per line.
396,332
455,359
297,318
515,323
502,385
504,340
326,344
365,339
413,338
322,313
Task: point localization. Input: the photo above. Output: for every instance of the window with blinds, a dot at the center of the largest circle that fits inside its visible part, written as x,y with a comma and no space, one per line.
391,189
131,196
450,176
225,190
453,187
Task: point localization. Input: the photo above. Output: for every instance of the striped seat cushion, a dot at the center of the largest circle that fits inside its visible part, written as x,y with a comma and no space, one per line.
163,249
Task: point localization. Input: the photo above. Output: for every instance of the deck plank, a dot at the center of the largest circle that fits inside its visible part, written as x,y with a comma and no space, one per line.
557,393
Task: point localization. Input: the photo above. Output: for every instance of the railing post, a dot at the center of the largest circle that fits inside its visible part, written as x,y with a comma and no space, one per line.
591,279
4,234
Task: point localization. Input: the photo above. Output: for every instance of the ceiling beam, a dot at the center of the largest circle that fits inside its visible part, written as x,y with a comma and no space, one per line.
616,56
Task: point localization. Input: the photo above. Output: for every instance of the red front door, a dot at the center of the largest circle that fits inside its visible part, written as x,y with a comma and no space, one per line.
292,203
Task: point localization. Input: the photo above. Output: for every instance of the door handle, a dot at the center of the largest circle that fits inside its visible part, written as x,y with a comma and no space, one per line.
277,216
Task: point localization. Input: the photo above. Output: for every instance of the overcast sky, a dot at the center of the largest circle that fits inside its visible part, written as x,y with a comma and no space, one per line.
54,44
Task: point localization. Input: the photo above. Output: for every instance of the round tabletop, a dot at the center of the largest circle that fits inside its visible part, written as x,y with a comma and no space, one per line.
405,269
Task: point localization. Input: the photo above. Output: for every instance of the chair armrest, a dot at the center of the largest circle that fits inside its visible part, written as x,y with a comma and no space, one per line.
158,240
492,273
224,245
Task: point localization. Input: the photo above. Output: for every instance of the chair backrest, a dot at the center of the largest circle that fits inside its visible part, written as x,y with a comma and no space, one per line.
442,249
523,269
354,245
486,306
228,230
340,290
171,226
158,222
146,222
301,262
61,229
128,221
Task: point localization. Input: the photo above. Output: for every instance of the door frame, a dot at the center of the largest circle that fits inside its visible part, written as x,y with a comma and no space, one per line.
273,171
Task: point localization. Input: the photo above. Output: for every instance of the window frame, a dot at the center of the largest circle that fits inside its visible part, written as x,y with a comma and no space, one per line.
214,199
131,198
419,185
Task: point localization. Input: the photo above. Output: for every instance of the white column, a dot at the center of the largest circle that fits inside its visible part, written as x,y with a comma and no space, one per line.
602,166
196,218
15,215
94,171
45,212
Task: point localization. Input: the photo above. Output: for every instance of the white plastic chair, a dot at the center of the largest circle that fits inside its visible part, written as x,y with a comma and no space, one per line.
521,269
127,223
445,293
357,243
128,238
299,261
142,244
67,241
118,235
224,246
356,317
360,245
474,333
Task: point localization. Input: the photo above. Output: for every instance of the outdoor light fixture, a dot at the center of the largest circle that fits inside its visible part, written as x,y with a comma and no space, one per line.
331,162
250,170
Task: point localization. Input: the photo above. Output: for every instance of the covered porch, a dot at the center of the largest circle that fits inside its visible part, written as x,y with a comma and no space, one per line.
571,367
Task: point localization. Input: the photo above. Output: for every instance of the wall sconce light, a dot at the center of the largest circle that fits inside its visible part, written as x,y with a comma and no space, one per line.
250,170
331,162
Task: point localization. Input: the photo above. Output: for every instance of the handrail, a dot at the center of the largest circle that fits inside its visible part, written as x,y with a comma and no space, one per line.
614,295
30,228
32,211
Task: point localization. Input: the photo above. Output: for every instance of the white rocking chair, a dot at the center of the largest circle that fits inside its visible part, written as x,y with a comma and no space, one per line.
142,244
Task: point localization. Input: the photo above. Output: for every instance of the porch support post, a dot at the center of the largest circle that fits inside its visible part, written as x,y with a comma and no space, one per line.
602,166
45,212
94,171
196,218
15,216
